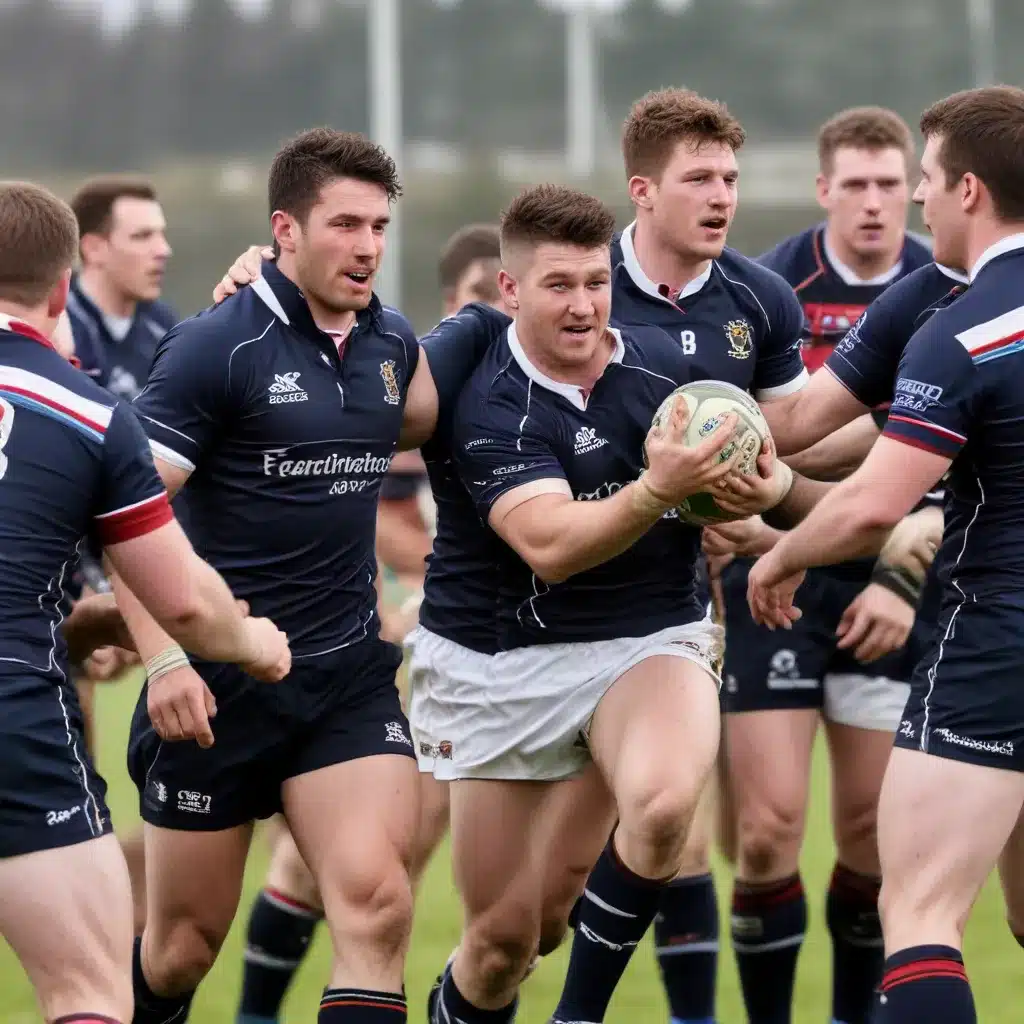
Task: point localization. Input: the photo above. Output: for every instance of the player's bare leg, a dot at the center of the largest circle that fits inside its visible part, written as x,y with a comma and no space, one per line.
355,824
942,825
859,758
654,737
193,884
433,823
769,908
686,930
133,846
67,914
281,925
1011,876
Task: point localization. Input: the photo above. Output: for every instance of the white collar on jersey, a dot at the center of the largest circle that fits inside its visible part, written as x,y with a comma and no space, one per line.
644,283
956,275
850,276
571,392
1004,245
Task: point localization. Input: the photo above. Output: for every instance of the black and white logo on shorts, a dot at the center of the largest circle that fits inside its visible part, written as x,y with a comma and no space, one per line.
396,734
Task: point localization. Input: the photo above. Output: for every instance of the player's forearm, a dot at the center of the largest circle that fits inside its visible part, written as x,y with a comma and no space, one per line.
402,543
836,456
803,419
207,624
803,496
843,525
579,535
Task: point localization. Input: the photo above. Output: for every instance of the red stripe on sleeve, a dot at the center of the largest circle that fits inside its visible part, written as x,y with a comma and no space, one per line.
136,521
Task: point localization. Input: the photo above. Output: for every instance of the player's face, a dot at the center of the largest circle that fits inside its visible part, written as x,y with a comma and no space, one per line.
561,298
941,208
478,283
866,197
693,203
339,248
135,252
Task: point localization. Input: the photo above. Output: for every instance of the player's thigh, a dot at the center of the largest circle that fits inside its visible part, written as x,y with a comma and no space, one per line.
433,821
1011,877
654,735
942,824
859,757
579,818
289,874
67,914
499,827
193,885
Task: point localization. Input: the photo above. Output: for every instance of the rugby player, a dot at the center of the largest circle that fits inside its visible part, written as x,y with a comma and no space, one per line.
285,915
780,687
73,461
735,322
953,789
282,408
510,740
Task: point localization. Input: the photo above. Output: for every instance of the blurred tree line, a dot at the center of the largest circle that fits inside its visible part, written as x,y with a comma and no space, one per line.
479,73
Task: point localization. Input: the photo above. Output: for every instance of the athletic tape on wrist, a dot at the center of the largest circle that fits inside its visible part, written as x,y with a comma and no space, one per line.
165,662
645,501
902,582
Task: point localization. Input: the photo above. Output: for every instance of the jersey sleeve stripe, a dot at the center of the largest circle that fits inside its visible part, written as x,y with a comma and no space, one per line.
170,456
94,414
994,335
783,390
947,450
951,435
134,520
41,405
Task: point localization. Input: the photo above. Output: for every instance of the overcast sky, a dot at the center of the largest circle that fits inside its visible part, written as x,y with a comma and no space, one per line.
118,13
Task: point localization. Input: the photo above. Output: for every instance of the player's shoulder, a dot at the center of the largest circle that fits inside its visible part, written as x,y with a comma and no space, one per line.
215,332
795,257
393,321
914,293
917,251
159,313
475,318
763,293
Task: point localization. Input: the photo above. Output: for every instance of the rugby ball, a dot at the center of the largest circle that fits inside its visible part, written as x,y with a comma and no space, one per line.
708,401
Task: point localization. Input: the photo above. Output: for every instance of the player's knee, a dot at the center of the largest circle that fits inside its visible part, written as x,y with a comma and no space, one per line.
769,840
696,856
502,945
374,909
658,816
183,957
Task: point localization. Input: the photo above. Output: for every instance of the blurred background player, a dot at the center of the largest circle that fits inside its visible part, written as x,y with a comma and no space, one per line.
286,913
780,686
116,320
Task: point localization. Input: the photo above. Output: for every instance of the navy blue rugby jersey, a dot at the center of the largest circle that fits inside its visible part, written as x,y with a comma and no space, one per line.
832,297
866,360
74,463
737,322
514,425
287,443
119,364
460,592
959,393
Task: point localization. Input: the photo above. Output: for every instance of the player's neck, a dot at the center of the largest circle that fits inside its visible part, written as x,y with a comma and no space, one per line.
867,268
984,236
662,264
99,290
36,317
329,320
578,376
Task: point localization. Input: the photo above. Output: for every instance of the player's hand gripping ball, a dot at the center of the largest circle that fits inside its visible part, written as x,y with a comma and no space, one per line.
707,402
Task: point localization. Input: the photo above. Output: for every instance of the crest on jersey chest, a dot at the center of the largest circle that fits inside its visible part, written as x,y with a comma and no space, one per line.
740,336
392,395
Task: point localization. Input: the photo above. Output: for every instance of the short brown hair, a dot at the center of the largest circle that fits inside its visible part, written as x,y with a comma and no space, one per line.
469,244
982,132
558,214
38,242
311,160
658,121
863,128
94,202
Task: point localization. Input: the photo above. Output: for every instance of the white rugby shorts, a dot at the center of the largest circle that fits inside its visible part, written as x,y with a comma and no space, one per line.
524,714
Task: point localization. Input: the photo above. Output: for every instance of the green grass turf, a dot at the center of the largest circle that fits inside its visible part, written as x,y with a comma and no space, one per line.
995,962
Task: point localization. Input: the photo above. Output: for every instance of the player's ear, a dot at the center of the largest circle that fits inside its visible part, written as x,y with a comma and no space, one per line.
822,191
970,189
640,191
91,247
284,229
57,300
509,289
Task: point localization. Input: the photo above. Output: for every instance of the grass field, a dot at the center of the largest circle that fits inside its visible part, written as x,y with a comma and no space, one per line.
995,963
